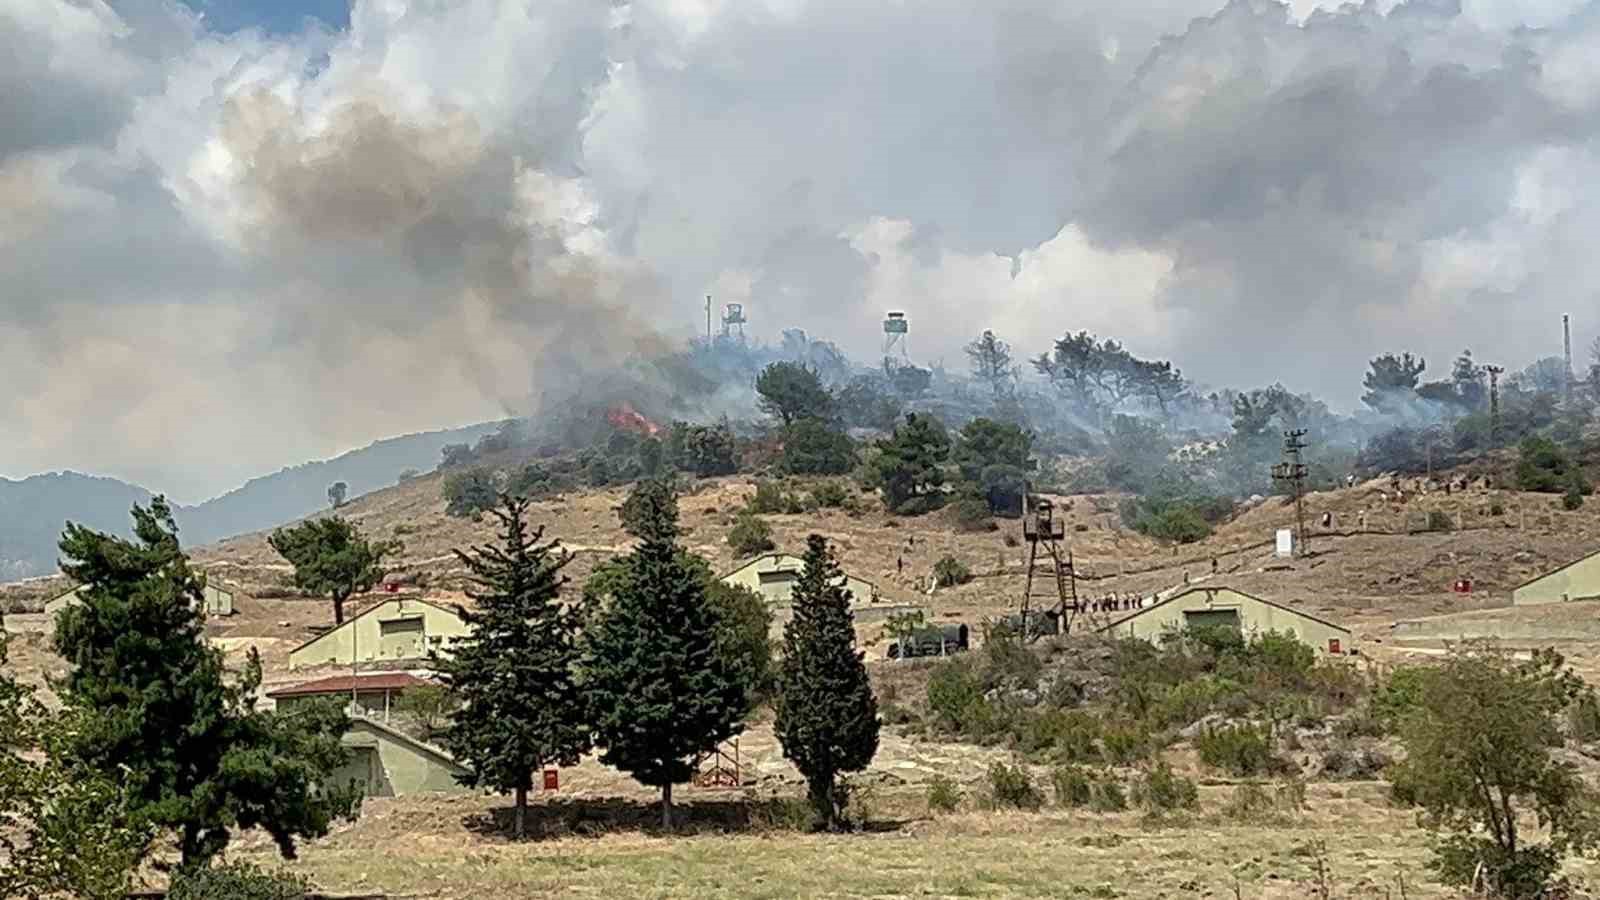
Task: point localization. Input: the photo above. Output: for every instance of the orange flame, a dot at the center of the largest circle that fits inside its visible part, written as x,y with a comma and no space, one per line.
624,417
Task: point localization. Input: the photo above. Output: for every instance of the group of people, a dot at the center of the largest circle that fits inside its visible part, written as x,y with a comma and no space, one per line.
1109,603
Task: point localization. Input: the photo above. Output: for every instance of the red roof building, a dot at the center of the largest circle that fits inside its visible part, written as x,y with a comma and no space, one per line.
371,695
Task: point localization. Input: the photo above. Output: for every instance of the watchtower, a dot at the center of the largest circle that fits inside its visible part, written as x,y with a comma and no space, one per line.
1042,528
895,328
733,321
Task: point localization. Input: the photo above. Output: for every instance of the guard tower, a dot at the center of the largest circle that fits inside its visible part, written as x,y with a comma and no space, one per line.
895,328
733,322
1042,528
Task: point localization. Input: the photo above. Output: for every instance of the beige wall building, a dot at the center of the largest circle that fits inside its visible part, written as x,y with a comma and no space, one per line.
218,602
1578,580
386,762
1203,606
404,628
773,577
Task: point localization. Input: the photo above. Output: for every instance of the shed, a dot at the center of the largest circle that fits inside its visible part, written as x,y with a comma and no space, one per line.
773,576
403,628
218,601
387,762
370,694
1210,606
1577,580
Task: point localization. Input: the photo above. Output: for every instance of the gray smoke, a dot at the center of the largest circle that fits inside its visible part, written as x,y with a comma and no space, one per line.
225,253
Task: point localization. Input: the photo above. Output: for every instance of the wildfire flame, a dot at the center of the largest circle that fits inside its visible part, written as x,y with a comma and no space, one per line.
624,417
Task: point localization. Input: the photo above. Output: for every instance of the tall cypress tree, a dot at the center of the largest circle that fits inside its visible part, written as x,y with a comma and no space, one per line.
516,672
827,715
660,687
160,713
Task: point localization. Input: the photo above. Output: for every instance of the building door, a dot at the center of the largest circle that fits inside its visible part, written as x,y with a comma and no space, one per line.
401,638
1212,618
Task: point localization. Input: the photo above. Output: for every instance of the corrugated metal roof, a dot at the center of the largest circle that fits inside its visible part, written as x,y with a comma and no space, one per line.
344,684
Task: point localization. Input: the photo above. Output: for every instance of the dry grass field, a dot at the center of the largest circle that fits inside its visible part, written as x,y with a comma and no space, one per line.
1348,842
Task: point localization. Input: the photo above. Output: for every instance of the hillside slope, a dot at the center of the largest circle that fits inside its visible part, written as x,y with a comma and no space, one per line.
34,509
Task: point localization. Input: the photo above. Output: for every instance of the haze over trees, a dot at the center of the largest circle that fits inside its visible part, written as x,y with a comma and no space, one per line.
791,392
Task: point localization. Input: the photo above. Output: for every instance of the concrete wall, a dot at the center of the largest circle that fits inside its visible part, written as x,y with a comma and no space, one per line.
1254,617
1579,581
402,628
390,765
773,577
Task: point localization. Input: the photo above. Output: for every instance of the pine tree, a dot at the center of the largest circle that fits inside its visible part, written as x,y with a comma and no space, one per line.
331,557
162,716
827,715
661,688
515,675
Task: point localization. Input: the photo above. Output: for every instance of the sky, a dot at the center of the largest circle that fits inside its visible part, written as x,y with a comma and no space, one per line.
239,234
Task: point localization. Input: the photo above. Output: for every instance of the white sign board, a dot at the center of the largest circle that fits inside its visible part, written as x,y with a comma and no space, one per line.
1285,542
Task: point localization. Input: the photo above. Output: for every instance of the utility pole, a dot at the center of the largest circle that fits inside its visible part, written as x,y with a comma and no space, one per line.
708,321
1494,403
1293,472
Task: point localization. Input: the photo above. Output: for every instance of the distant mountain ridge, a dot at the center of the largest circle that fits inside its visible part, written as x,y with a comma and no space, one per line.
34,509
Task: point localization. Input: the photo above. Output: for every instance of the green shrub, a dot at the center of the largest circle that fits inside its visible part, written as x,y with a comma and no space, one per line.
1397,696
1250,802
1573,498
949,572
1068,736
830,495
1173,514
810,447
1583,719
769,499
1124,743
237,881
971,513
1006,660
943,795
750,536
1160,790
1240,750
1108,795
1073,785
1440,521
1010,787
1544,467
1190,701
468,493
953,689
783,814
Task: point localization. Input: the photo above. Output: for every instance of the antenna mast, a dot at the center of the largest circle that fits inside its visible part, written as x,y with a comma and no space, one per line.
1293,472
1566,349
708,320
